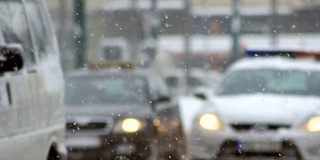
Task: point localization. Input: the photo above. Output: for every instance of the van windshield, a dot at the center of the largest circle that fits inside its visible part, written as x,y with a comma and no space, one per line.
104,90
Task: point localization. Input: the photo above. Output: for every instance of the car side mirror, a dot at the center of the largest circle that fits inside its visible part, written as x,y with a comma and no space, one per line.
10,58
200,95
163,99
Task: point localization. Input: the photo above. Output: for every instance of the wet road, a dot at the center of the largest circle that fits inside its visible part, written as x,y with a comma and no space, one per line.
254,157
260,158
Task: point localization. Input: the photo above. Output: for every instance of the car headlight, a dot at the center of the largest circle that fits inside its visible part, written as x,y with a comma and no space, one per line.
210,121
312,125
128,125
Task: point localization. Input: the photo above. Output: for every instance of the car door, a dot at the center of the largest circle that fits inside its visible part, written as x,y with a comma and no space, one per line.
48,79
17,113
30,105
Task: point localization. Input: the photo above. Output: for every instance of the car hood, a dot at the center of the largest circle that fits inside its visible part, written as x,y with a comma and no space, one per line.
109,111
261,108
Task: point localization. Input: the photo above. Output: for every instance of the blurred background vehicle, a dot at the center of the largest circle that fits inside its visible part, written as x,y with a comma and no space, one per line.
267,104
114,113
197,78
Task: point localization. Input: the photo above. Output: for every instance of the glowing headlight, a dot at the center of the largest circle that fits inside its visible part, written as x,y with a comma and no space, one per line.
313,124
210,121
130,125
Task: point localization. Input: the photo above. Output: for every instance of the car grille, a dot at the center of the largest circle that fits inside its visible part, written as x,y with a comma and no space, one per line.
88,126
288,149
247,127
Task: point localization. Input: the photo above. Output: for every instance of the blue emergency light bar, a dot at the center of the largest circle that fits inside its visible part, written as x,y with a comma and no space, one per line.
269,53
283,53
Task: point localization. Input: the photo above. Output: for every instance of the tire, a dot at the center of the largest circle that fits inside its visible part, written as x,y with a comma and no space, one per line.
53,155
290,151
290,155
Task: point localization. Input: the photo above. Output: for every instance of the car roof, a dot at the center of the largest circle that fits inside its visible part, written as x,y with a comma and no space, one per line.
179,72
110,71
281,63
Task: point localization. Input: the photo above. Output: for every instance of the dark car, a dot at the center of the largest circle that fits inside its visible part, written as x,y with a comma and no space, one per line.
128,113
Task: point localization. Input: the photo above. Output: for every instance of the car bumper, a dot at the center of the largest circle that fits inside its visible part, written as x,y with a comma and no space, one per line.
209,144
84,147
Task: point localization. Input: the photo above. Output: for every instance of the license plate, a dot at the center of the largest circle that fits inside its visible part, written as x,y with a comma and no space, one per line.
83,142
260,146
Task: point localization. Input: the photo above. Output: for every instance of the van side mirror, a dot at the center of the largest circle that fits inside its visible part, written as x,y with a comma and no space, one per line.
10,58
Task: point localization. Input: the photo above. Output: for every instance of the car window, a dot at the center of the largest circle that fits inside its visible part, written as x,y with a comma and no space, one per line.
162,88
41,28
14,28
172,81
98,90
112,52
194,82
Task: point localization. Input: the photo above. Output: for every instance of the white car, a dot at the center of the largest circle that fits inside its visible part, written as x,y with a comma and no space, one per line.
263,106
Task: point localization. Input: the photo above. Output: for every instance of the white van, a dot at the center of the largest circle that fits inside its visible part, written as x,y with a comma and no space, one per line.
31,84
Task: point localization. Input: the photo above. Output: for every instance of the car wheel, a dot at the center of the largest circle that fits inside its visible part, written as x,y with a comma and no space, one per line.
53,155
290,155
290,152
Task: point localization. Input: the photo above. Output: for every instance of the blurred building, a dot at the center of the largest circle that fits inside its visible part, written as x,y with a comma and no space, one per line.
129,19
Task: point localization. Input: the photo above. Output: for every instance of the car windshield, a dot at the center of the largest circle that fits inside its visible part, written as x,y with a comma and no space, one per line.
104,90
286,82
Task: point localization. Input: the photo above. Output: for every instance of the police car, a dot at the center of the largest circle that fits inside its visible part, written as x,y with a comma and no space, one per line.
267,104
